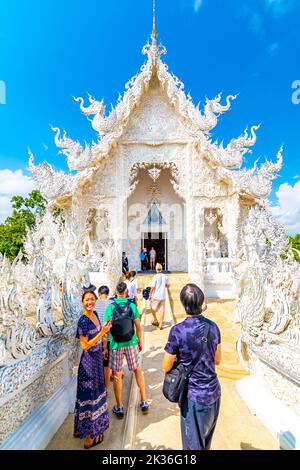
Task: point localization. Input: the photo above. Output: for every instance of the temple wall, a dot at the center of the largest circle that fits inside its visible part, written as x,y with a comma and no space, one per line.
37,393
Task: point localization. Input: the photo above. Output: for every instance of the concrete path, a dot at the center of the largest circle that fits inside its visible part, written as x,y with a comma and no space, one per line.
237,428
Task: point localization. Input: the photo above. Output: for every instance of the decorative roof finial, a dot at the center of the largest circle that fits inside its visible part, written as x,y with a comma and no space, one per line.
154,32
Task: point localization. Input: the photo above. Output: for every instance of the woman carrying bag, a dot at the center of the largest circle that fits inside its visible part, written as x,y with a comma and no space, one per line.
201,402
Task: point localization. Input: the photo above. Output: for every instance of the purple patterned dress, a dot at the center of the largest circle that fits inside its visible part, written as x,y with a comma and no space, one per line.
91,414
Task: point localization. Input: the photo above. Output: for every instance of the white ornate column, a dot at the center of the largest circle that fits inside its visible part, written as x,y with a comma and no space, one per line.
232,218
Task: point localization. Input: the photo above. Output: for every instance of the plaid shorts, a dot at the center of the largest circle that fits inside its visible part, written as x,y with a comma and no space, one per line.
116,356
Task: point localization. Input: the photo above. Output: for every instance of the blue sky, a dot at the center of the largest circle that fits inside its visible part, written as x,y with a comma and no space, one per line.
50,51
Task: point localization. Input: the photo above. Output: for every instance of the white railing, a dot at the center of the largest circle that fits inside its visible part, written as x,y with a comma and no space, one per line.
217,266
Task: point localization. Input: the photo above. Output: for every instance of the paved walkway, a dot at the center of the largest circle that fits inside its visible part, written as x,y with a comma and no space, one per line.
237,428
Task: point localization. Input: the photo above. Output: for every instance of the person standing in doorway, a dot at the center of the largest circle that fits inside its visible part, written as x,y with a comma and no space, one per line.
152,258
158,296
143,259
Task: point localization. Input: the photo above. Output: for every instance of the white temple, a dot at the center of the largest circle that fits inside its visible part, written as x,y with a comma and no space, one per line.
154,148
154,177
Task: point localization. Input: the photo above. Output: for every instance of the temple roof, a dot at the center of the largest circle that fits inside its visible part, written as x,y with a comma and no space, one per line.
111,127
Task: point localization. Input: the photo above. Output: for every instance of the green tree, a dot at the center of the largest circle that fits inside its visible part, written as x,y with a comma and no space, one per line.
13,230
295,241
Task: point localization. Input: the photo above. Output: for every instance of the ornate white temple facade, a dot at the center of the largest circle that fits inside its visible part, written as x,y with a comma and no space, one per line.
154,177
154,148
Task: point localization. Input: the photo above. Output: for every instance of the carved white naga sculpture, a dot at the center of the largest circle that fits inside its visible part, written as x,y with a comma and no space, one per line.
30,288
269,279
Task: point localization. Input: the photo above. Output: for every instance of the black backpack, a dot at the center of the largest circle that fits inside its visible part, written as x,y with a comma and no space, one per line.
122,329
146,293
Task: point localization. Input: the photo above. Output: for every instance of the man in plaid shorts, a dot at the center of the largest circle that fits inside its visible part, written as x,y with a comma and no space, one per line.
130,349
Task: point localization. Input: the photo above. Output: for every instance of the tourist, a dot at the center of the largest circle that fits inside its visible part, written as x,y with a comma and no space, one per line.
131,349
102,302
143,259
91,415
146,259
152,258
133,288
124,263
127,279
200,406
158,296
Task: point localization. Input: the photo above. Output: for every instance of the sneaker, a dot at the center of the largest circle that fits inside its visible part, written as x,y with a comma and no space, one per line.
144,406
118,411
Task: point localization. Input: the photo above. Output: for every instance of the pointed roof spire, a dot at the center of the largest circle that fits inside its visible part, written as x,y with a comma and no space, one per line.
154,32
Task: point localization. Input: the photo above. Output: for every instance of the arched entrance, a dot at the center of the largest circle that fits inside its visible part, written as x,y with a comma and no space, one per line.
156,219
155,237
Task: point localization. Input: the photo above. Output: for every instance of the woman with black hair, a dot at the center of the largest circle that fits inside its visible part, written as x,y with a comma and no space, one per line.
201,404
91,415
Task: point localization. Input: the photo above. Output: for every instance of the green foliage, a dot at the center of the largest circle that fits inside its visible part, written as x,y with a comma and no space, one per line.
295,242
58,215
13,230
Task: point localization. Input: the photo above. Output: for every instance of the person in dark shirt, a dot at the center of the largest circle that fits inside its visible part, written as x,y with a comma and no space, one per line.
124,263
200,407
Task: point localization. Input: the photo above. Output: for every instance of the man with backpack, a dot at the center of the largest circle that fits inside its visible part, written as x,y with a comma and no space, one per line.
125,340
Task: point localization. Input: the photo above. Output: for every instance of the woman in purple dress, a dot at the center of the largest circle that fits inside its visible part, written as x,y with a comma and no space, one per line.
91,414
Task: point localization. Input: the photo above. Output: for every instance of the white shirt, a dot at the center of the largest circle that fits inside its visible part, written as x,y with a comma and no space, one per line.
128,283
132,287
160,281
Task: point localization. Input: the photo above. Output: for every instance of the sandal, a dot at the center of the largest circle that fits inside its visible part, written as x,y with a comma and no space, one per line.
97,440
155,323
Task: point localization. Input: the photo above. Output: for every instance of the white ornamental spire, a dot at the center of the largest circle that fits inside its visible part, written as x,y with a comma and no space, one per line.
154,32
154,51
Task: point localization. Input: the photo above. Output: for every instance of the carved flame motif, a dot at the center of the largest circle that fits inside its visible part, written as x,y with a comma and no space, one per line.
154,173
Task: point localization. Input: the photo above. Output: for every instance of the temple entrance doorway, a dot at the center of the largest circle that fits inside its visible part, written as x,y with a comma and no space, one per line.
159,241
155,217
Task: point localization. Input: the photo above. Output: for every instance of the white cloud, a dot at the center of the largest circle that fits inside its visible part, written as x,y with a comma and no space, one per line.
287,208
256,23
5,207
13,183
197,5
273,49
256,12
280,7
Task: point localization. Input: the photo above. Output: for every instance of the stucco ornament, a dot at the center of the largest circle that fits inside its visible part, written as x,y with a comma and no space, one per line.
77,157
268,305
256,182
18,333
232,156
